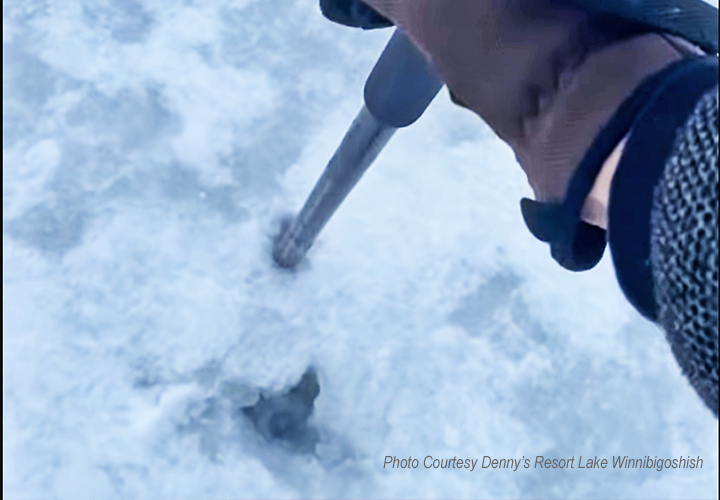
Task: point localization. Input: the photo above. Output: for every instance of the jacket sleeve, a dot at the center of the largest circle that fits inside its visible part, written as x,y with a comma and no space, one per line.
684,249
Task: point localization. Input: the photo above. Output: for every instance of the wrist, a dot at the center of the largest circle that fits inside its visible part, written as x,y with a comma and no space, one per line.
595,209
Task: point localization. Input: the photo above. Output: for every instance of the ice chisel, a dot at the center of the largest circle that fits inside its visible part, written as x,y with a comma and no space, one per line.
399,89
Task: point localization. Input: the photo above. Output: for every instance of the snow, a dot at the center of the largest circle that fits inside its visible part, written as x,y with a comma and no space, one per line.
149,149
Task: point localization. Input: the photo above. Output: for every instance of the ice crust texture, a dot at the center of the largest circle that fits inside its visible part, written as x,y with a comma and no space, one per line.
149,149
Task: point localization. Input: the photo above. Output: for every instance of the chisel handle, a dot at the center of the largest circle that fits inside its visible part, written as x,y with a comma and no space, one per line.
399,89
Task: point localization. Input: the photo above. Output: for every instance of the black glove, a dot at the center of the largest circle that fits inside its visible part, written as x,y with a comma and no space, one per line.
353,13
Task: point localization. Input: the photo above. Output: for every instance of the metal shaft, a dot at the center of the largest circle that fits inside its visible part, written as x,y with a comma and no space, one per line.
359,148
399,89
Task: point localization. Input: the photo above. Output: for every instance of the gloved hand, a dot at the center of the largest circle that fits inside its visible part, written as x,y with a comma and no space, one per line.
353,13
547,77
577,90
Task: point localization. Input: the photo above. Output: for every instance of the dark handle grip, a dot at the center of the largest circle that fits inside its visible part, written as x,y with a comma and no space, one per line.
402,84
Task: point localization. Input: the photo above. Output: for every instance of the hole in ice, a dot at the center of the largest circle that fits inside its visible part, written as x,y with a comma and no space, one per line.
284,417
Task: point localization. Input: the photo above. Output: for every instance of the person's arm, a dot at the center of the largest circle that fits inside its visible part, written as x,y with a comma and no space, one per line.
683,243
684,249
592,107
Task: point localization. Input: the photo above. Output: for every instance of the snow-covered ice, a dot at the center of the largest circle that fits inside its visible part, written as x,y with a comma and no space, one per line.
149,149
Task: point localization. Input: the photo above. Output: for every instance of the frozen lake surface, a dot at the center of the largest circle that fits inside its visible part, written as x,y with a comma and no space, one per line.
149,149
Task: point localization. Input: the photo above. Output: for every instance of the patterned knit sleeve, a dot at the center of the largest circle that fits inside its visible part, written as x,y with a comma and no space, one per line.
684,249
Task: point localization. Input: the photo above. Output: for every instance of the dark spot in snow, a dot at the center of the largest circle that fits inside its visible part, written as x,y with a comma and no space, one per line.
478,311
284,417
51,230
126,20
